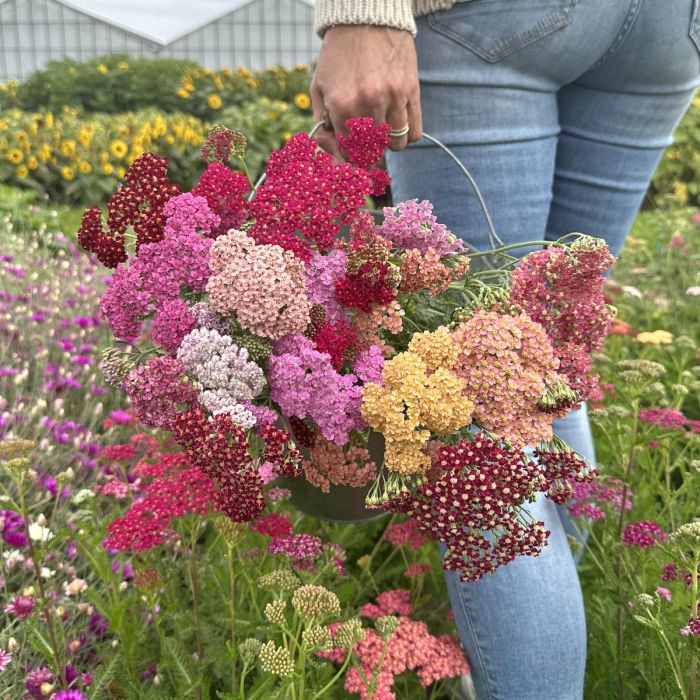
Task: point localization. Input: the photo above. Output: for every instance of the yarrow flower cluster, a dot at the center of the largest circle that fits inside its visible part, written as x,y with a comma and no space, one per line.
403,645
244,311
261,286
644,534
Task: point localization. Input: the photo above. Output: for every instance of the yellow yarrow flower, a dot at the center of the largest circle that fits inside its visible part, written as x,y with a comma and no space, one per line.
302,100
22,171
118,148
420,395
659,337
67,173
214,101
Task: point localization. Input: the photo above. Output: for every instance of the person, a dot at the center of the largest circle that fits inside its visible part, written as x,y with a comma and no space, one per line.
561,110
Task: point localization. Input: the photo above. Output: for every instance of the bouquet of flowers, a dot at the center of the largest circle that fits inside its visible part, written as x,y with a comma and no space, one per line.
273,329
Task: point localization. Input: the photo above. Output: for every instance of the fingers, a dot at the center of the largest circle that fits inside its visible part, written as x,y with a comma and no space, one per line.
398,119
324,136
415,121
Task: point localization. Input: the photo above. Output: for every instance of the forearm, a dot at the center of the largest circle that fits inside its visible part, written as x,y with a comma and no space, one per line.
384,13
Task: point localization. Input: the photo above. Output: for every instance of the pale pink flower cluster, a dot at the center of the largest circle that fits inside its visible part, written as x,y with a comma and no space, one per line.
189,213
507,363
322,272
329,464
263,286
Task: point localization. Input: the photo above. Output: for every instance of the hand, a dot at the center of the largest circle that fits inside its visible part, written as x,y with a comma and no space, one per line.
365,71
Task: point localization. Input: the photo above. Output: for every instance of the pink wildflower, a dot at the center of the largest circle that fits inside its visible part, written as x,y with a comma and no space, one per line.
644,534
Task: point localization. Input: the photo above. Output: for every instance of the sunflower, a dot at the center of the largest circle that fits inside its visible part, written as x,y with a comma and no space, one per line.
123,65
119,148
107,168
102,68
183,93
15,156
302,100
214,101
32,163
68,147
84,167
67,173
22,171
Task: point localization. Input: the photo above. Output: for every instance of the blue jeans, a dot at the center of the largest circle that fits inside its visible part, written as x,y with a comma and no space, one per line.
561,110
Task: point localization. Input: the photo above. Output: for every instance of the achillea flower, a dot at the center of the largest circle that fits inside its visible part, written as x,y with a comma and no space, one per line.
664,417
275,660
563,291
644,534
278,494
156,390
224,371
147,523
329,464
368,325
273,525
225,192
279,580
654,337
301,549
321,272
336,339
368,365
410,647
421,271
419,395
261,285
476,486
315,602
187,213
304,384
394,602
172,322
412,225
274,612
507,363
139,203
306,197
416,569
588,497
365,142
407,533
20,606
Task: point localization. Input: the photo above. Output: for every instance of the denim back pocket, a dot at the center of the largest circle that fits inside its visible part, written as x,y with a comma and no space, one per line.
494,29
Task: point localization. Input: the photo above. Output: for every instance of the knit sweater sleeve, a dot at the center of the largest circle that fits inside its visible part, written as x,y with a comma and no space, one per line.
383,13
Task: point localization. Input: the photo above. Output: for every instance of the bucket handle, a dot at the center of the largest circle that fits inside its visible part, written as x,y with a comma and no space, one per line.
493,236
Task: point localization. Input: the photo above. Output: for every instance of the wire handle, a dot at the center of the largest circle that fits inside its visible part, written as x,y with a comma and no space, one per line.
493,236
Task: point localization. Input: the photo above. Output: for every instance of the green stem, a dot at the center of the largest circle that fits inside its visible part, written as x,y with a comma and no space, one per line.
332,681
195,605
693,679
234,663
46,603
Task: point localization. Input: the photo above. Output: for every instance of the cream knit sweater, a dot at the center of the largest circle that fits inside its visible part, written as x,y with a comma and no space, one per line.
384,13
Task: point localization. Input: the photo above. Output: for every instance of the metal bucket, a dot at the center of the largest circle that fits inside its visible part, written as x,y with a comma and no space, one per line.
342,504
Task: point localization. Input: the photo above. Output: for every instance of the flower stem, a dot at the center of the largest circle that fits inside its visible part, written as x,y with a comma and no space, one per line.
46,604
195,605
234,663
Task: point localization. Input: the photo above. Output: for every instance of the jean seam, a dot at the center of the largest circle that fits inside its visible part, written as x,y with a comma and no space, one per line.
619,40
479,653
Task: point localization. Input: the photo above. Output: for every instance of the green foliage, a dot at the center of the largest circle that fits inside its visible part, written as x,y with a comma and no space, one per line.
677,177
117,83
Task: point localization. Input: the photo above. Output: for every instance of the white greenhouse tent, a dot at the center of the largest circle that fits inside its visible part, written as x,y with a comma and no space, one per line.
215,33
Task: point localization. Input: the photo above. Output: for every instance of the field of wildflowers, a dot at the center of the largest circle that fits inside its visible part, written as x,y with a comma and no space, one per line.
117,579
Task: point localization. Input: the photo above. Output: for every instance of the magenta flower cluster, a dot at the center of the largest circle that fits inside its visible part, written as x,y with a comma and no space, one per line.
304,384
